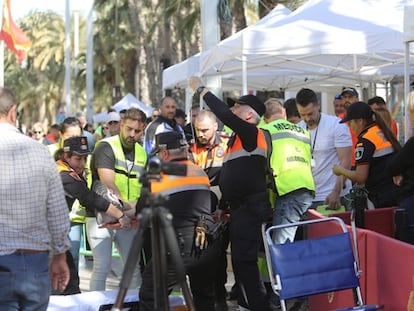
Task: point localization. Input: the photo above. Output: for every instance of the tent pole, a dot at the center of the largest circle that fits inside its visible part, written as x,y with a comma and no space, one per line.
406,90
244,73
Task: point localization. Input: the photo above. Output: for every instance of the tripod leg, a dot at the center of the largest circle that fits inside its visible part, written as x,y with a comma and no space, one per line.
171,241
159,263
132,260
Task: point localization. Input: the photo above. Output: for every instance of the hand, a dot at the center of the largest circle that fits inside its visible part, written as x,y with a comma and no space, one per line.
221,215
333,201
337,170
397,180
194,83
125,221
59,272
130,213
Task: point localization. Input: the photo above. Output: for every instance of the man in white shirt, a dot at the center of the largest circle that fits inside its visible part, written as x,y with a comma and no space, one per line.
330,144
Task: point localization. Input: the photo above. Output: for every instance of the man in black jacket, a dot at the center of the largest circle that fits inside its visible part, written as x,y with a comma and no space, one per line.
243,185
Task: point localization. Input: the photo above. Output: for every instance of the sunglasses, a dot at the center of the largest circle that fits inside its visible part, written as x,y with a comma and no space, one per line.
37,132
113,122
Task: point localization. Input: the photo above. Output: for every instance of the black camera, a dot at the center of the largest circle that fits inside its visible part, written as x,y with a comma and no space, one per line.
155,167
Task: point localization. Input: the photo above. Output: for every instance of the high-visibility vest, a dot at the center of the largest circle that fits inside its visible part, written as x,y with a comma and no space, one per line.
195,179
77,213
290,159
375,135
236,150
127,178
211,157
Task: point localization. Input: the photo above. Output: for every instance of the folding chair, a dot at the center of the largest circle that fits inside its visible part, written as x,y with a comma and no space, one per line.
313,266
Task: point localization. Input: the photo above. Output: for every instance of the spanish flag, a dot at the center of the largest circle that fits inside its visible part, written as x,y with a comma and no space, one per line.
14,38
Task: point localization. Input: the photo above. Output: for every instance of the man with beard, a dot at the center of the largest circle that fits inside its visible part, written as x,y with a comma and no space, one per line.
116,162
165,122
330,144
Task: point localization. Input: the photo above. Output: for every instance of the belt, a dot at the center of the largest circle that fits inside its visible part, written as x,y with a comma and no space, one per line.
29,251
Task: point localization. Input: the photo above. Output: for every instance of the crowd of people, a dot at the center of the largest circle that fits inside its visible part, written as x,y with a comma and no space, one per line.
269,163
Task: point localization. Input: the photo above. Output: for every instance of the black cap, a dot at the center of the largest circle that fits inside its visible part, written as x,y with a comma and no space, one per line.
76,145
349,90
358,110
168,140
230,102
250,100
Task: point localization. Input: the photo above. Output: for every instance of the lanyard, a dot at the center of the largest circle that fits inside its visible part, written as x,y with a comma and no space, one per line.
316,134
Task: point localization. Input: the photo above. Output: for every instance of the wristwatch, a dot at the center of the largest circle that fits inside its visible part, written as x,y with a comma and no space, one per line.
200,89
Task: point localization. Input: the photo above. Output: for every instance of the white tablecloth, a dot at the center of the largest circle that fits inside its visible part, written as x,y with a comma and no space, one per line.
91,301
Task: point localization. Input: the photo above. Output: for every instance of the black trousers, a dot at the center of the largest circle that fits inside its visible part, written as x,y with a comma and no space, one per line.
201,273
246,219
73,285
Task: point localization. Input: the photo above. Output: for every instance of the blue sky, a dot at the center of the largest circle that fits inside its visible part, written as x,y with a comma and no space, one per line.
22,7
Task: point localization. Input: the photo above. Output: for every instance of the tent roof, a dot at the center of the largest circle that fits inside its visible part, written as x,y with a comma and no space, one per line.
354,39
129,101
176,76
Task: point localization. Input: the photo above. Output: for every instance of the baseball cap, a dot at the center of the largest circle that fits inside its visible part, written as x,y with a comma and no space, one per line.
358,110
250,100
76,145
338,96
113,116
349,90
168,140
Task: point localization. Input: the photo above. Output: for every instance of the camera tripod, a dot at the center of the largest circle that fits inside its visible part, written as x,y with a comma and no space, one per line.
158,218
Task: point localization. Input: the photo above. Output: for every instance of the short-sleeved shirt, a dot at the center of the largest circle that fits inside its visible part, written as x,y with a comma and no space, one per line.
329,135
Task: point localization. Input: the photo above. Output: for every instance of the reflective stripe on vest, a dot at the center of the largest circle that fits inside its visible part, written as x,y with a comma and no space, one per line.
382,145
291,156
237,151
126,179
195,179
209,158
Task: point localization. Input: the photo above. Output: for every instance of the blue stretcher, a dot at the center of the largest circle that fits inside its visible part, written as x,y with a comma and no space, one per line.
314,266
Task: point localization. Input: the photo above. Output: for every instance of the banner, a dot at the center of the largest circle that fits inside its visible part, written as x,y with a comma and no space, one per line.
14,38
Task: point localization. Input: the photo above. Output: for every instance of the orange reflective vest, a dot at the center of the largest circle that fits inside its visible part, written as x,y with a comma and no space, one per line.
195,179
210,157
236,149
374,134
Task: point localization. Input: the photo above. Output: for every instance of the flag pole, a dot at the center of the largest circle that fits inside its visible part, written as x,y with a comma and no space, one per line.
1,47
67,60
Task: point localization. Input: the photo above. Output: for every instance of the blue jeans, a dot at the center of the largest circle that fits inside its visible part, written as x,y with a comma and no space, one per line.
75,235
407,204
24,282
100,241
288,209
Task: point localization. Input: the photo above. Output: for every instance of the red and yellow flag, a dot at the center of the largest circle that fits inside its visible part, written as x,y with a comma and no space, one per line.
14,38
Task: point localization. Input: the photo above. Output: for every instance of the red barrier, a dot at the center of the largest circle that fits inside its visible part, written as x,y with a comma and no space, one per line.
339,299
387,267
379,220
390,272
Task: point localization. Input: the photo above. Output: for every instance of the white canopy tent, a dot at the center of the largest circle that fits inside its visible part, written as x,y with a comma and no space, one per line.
130,101
324,41
177,75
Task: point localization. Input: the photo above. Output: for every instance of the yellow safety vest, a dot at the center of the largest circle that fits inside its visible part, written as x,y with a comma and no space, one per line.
126,178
